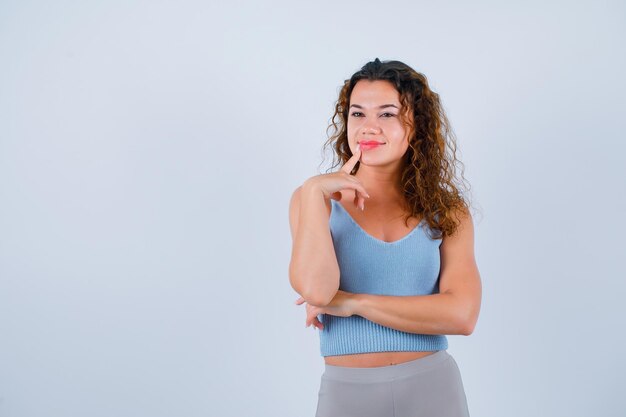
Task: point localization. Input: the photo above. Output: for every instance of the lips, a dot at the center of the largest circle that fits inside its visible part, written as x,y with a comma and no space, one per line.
370,144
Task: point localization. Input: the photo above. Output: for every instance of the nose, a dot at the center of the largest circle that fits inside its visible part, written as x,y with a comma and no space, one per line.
370,126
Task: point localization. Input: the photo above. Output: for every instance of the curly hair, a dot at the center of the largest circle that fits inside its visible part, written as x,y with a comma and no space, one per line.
428,179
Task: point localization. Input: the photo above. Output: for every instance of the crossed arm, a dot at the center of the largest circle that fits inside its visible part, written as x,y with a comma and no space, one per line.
454,310
424,314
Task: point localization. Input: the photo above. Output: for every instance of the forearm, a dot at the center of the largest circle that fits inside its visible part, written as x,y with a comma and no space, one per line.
313,269
424,314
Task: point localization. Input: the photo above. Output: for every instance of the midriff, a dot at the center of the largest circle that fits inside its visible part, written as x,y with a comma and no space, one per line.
374,359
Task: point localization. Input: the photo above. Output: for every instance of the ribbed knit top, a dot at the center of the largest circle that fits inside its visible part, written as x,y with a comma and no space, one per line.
408,266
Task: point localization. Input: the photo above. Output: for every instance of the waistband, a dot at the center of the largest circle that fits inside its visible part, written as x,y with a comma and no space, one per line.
385,373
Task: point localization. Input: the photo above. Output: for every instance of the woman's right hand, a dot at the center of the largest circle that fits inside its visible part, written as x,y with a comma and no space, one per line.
332,184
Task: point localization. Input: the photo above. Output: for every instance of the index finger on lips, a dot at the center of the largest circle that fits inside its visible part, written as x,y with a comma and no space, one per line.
350,163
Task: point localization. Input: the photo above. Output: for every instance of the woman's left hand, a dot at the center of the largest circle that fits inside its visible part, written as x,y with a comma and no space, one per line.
342,304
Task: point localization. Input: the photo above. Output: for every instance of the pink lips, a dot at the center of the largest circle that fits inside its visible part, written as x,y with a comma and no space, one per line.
365,145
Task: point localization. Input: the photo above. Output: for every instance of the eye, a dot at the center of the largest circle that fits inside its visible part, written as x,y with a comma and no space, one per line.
355,113
390,114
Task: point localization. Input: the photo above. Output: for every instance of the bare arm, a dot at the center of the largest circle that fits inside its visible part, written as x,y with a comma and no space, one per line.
453,311
313,269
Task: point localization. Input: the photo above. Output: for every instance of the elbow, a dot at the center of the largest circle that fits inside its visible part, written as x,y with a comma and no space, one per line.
315,296
310,289
465,317
317,300
466,326
296,280
467,330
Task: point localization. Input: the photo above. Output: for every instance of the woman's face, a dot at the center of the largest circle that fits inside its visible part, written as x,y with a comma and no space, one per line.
374,122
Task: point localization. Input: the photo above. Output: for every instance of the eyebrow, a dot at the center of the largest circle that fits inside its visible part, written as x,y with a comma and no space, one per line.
380,107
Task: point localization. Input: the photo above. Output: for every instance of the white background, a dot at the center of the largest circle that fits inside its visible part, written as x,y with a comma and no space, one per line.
148,151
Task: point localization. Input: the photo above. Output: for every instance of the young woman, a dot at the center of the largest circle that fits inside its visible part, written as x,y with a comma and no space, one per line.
383,252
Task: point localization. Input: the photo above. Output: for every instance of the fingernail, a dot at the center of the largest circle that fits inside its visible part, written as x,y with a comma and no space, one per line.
358,146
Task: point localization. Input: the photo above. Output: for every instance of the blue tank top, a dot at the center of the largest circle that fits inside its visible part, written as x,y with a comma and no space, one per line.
367,265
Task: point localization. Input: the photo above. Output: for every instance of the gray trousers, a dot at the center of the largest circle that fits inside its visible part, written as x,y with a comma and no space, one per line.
425,387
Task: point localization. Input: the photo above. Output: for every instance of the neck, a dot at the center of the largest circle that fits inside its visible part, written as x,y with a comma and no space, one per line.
381,183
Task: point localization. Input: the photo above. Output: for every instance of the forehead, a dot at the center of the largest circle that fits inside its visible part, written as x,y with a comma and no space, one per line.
374,92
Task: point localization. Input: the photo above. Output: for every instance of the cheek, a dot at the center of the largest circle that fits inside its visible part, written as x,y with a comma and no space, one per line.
394,125
398,132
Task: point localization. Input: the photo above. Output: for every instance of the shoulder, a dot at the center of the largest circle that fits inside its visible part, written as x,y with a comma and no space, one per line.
466,222
296,198
461,242
294,209
294,202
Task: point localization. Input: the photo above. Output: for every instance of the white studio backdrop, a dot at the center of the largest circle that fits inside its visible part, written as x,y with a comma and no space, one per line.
148,151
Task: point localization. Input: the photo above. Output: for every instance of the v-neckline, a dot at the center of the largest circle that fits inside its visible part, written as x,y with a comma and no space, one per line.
384,242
